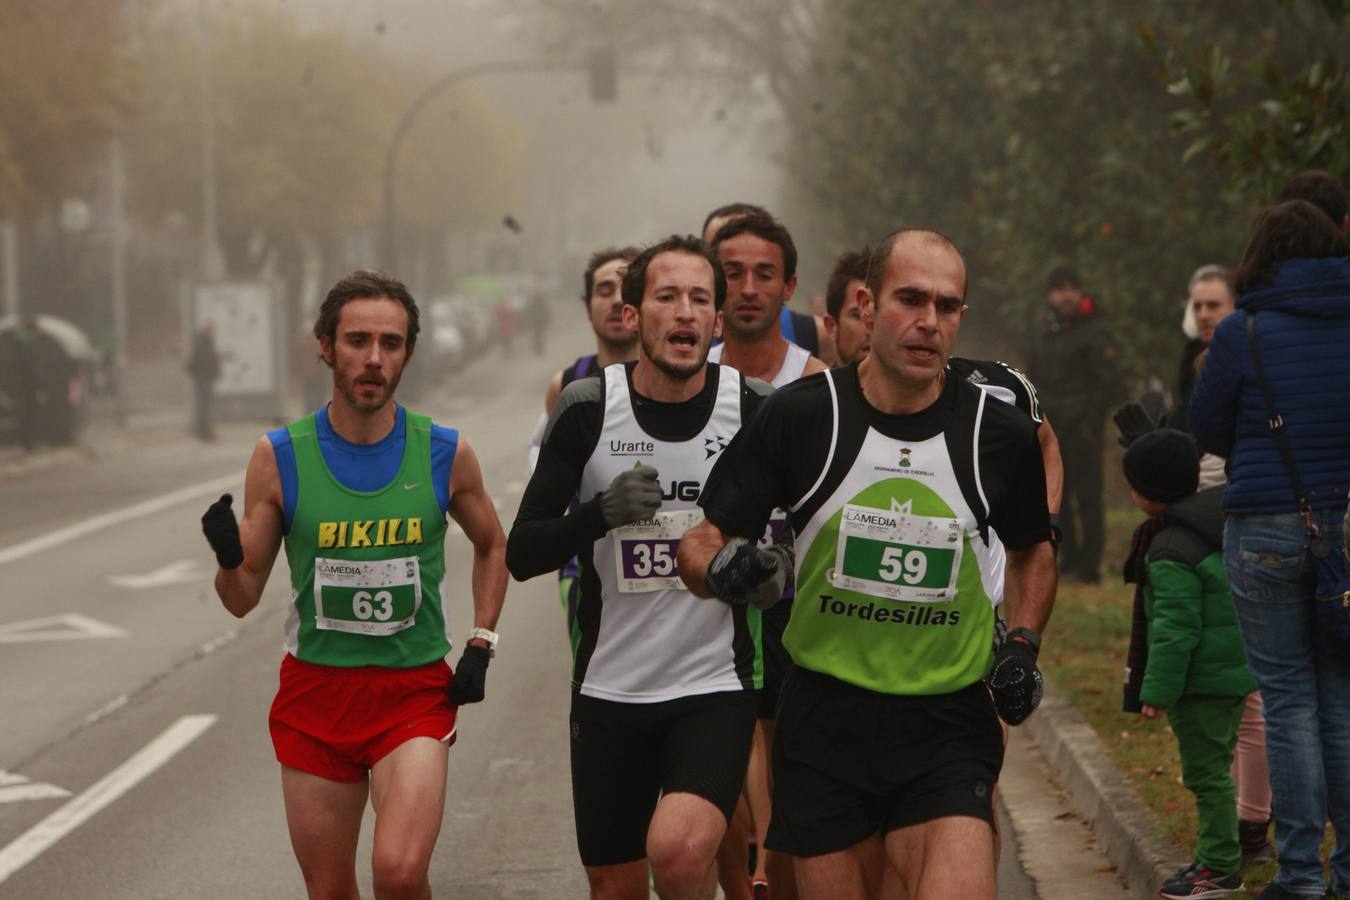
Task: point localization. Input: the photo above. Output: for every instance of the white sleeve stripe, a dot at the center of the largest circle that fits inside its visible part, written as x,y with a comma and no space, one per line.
1031,394
834,440
979,484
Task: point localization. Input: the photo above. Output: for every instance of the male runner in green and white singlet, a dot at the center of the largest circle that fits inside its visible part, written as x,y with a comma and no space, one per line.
359,493
887,746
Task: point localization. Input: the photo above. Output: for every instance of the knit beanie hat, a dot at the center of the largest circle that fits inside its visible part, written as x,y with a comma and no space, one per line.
1163,465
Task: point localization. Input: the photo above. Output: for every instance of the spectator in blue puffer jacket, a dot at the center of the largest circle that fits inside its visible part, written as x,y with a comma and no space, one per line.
1295,278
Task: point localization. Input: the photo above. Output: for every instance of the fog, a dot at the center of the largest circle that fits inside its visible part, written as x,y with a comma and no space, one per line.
149,146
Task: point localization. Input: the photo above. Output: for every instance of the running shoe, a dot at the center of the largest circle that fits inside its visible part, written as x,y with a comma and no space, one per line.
1196,882
759,890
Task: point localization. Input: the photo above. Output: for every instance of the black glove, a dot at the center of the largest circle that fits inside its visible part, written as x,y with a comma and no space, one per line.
222,532
470,677
742,574
1133,422
1014,681
633,495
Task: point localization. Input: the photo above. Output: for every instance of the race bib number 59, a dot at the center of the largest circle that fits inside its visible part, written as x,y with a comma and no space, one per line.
644,552
897,555
376,598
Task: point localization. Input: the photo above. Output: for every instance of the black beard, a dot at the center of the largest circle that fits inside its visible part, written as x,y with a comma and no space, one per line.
683,373
751,332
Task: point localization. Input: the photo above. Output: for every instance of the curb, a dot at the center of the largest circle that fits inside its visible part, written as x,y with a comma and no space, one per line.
1126,829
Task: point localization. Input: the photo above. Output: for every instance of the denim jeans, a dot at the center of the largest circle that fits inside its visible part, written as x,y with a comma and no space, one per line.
1306,690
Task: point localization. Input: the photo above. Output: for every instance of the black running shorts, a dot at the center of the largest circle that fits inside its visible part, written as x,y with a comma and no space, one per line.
849,763
626,755
777,661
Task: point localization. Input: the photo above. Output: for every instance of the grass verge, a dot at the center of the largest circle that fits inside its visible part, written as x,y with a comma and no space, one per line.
1085,657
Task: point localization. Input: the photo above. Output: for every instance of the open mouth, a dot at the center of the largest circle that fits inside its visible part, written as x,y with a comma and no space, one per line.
922,352
684,339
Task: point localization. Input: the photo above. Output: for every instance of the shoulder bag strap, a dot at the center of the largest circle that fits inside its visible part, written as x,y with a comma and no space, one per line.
1276,424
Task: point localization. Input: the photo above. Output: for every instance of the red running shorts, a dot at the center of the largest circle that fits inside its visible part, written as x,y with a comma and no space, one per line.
338,722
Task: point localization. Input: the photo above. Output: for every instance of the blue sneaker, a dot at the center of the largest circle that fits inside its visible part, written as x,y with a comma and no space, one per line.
1195,882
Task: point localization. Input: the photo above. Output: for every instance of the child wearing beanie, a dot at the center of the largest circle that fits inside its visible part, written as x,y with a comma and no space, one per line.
1195,669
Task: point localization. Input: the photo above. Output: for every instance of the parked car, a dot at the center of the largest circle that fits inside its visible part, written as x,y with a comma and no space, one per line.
55,365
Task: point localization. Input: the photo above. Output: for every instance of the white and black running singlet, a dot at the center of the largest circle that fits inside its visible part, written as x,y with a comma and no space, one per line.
639,636
794,363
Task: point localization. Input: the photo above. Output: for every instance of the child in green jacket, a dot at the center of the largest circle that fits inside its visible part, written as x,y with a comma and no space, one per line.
1196,670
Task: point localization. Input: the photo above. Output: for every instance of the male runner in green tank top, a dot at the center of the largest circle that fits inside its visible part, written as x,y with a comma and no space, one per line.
900,485
367,705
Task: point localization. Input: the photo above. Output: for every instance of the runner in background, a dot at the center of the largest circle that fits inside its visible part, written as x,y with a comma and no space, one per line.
806,331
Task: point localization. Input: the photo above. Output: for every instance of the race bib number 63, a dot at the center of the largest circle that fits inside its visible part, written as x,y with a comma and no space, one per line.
376,598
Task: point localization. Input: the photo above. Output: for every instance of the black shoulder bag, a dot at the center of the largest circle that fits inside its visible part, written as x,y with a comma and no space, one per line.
1331,613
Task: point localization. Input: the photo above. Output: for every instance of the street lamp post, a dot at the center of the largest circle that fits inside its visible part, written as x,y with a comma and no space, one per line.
601,68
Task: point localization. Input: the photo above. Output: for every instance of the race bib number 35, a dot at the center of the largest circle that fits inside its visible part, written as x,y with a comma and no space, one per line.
897,555
644,552
375,598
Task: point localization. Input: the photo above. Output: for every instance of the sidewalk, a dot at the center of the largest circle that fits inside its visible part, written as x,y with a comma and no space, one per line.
1126,830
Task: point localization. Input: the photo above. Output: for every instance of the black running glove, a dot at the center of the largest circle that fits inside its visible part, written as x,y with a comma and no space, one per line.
222,532
742,574
1133,423
470,677
633,495
1015,682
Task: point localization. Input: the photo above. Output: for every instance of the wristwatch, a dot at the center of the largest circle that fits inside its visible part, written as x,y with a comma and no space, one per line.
1056,531
487,635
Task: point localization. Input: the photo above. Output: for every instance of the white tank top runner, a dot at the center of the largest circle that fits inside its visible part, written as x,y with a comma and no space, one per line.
656,640
794,364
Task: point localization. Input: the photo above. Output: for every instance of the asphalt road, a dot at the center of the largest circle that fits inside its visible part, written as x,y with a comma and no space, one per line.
134,755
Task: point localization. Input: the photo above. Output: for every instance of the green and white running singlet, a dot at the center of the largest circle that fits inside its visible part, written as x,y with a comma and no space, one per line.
367,568
900,525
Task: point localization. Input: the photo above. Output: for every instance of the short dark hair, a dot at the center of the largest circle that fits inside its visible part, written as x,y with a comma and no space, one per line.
1322,190
1064,276
734,209
635,279
765,228
365,284
1294,229
881,255
600,258
850,266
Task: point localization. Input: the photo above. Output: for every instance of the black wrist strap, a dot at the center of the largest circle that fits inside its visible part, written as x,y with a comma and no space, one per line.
1031,637
1276,424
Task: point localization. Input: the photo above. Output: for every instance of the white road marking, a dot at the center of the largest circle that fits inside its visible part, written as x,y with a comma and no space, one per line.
116,517
17,792
217,642
8,778
105,710
33,842
65,627
180,572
